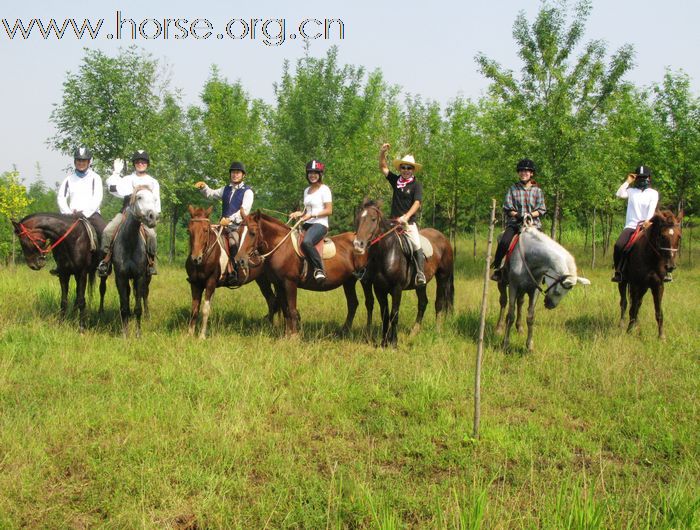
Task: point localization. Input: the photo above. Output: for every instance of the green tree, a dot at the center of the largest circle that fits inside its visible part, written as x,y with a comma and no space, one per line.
558,100
13,204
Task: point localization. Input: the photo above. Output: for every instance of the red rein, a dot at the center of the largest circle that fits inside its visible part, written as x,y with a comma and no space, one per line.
46,250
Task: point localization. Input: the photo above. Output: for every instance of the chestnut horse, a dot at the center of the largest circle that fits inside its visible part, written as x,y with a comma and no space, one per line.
203,267
67,237
266,243
646,265
390,271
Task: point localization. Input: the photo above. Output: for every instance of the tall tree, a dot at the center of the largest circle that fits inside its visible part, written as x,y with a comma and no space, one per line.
559,100
13,204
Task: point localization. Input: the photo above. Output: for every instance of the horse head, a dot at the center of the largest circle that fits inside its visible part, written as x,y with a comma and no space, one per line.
199,228
368,225
250,237
32,241
143,206
665,236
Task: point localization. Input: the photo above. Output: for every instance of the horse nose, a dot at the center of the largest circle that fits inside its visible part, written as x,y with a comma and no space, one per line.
358,245
197,260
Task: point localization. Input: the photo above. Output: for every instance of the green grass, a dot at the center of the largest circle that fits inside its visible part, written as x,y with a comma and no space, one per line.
595,429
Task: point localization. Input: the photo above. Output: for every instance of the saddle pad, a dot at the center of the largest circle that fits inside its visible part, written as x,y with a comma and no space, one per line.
92,233
633,238
426,245
407,245
223,255
325,248
511,247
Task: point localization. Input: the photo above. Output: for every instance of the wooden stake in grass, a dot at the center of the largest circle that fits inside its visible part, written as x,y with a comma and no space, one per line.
482,324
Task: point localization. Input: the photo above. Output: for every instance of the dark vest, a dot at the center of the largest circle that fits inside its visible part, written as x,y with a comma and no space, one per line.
230,205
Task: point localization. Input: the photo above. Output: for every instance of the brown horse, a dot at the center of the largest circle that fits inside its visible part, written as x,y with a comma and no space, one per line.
203,267
67,237
266,243
648,261
390,271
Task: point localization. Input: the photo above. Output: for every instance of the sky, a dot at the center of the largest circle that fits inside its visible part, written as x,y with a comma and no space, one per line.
427,48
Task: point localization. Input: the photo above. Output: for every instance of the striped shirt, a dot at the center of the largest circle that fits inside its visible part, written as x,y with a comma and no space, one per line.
524,200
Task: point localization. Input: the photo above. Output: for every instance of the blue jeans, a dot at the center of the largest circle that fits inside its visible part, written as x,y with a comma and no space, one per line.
314,232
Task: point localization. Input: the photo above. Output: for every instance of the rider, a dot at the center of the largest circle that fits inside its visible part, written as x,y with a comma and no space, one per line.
236,201
523,197
318,205
123,187
641,205
406,201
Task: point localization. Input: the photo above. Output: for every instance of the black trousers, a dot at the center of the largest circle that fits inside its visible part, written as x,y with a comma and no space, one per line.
504,243
620,245
314,232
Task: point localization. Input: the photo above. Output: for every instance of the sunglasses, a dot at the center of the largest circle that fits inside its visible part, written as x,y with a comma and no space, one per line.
405,167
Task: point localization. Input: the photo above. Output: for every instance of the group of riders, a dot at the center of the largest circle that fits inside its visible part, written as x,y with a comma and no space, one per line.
81,193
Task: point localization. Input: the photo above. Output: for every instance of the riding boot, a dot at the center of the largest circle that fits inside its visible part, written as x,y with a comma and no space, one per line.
152,271
104,267
419,259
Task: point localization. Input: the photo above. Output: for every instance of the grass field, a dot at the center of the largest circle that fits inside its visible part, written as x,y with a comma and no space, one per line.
595,429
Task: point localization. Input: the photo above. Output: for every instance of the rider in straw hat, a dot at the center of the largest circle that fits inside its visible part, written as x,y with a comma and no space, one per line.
406,201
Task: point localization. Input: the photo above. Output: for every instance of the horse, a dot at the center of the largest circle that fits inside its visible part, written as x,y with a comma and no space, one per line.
130,257
204,267
646,265
74,250
536,259
266,241
389,267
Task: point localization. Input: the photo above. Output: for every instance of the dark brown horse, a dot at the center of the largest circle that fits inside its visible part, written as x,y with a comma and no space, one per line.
390,271
648,261
203,265
266,242
67,237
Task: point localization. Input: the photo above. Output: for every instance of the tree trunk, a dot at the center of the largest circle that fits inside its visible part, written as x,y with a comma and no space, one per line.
585,241
555,216
593,240
173,228
13,247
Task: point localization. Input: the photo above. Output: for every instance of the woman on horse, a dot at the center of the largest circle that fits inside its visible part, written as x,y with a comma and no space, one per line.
80,193
641,205
318,205
123,187
523,197
406,202
236,201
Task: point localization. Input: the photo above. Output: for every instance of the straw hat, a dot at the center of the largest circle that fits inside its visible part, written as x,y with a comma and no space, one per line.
408,160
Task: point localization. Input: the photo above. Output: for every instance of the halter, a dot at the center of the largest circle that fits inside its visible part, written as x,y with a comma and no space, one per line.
48,248
656,248
255,251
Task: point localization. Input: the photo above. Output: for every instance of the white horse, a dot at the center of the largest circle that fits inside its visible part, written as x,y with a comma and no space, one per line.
537,264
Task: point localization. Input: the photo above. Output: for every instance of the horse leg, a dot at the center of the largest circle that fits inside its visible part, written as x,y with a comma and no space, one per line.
531,319
139,289
622,288
206,310
503,302
80,286
196,291
144,298
369,305
657,291
422,294
103,290
382,298
352,302
266,290
65,281
124,290
394,316
519,314
292,320
636,295
510,317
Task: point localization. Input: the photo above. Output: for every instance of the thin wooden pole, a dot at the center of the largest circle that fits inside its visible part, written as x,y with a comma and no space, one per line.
482,325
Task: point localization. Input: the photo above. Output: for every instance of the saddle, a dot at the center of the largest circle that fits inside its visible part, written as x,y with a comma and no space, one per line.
92,233
407,246
325,247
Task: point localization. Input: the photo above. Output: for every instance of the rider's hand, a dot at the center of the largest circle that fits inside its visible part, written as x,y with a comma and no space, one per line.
225,221
294,215
385,147
403,220
631,177
118,165
200,185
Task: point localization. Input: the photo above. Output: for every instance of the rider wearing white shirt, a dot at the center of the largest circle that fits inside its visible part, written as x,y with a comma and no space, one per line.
123,187
80,193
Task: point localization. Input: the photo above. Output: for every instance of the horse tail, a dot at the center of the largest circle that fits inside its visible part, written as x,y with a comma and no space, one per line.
91,283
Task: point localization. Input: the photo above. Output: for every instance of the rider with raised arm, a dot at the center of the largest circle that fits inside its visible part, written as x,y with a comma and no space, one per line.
523,197
406,202
123,187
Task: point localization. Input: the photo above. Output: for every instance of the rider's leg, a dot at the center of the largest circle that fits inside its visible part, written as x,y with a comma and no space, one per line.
151,248
314,233
618,253
418,255
106,243
502,249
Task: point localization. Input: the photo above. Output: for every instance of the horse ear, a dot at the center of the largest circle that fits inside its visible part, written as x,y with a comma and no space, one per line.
583,281
365,201
190,209
15,224
208,211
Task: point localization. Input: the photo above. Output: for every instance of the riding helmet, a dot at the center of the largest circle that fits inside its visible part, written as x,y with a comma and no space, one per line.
525,165
237,166
315,165
643,171
140,154
82,153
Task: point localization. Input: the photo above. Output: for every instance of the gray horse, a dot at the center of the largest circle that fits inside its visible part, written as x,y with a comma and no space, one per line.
536,261
129,256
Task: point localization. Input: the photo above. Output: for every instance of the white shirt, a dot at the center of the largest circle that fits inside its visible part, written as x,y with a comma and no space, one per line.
641,204
80,194
247,203
124,186
315,202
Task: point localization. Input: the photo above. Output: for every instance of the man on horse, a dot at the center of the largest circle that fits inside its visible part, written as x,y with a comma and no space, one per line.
523,197
80,193
406,202
123,187
641,205
236,202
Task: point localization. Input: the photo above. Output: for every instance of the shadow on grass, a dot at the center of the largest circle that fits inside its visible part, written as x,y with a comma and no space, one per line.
587,327
467,325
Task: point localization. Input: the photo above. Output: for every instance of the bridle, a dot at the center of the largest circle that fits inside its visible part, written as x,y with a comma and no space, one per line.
209,246
398,227
35,240
656,248
255,253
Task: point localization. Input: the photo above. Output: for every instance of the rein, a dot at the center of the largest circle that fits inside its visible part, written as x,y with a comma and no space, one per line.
49,248
208,247
264,256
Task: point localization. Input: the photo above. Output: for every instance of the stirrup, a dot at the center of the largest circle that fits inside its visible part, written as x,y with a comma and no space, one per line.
104,268
420,278
319,275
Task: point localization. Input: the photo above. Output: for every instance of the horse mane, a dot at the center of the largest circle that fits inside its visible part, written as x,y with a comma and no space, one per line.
51,215
273,220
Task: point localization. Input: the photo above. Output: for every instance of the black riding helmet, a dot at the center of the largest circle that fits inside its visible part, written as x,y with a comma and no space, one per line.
237,166
525,164
82,153
140,154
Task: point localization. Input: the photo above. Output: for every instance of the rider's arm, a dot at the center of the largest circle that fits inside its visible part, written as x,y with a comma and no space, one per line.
622,192
382,159
212,194
156,192
62,197
411,211
540,209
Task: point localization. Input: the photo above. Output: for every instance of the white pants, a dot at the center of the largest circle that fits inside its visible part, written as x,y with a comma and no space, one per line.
413,235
